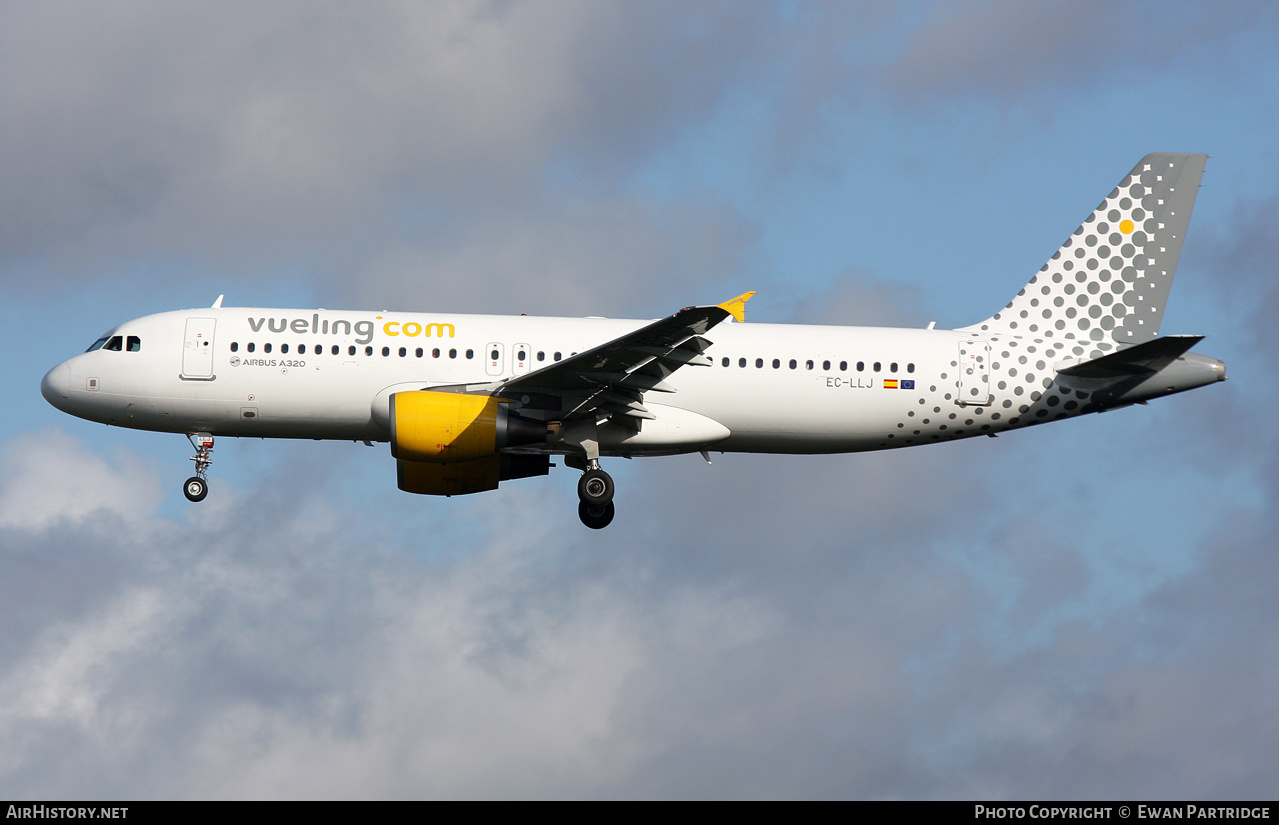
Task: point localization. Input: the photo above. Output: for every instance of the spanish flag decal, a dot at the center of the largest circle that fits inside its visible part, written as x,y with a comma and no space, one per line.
890,383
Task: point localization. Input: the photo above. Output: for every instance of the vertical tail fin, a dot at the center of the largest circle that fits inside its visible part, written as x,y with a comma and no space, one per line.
1111,278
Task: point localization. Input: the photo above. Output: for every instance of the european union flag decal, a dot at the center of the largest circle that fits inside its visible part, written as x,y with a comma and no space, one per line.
908,385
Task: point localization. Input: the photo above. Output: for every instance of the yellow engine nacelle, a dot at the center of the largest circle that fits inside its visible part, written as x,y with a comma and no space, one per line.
448,443
465,477
443,427
448,479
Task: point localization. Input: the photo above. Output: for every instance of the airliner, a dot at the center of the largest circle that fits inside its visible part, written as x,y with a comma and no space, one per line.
469,401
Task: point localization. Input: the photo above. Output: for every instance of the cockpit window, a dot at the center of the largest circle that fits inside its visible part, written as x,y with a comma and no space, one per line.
115,344
134,343
97,344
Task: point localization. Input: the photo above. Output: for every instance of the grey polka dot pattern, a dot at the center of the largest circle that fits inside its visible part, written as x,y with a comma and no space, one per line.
1017,387
1109,281
1103,290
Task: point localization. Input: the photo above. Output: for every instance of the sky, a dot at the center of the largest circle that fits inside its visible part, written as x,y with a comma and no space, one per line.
1072,612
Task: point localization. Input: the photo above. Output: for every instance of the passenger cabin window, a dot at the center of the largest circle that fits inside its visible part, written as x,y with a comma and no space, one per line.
350,350
336,349
284,349
793,363
808,365
251,346
266,347
521,355
470,353
418,352
235,346
825,365
134,343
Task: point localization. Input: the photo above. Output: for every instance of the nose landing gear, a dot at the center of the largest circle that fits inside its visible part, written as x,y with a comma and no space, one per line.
196,487
595,489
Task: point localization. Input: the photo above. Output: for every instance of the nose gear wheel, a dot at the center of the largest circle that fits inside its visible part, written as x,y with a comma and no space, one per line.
195,488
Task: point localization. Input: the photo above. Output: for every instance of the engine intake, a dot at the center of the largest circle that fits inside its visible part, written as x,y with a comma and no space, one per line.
448,428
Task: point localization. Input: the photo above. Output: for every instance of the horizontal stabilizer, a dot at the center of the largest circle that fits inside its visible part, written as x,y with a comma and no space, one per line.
1142,359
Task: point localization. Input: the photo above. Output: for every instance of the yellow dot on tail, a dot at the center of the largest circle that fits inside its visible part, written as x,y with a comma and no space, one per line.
1125,226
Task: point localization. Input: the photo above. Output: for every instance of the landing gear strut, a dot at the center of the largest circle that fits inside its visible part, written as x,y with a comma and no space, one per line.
196,487
595,489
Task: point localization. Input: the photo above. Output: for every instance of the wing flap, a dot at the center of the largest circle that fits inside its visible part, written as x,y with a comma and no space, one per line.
612,378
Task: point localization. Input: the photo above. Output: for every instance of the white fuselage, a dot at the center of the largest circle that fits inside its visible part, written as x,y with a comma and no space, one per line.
772,388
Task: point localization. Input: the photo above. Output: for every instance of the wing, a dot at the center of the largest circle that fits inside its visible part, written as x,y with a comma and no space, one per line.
609,381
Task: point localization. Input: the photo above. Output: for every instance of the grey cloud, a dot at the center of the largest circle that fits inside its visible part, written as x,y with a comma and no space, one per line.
246,133
1240,254
859,299
1235,261
60,484
766,626
615,256
1003,48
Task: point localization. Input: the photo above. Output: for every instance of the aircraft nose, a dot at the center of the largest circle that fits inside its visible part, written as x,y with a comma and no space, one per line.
56,385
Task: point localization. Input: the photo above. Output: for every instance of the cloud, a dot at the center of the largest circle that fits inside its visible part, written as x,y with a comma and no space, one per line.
245,137
1003,49
766,626
52,480
616,256
279,645
857,299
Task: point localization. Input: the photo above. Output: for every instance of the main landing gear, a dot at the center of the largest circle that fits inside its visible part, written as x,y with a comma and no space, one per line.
595,489
196,487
